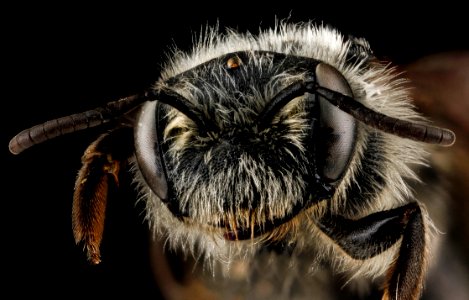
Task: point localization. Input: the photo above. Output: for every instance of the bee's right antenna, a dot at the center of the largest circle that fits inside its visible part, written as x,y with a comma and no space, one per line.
73,123
101,115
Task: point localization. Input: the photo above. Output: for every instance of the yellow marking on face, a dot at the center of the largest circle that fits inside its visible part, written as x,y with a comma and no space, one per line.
234,62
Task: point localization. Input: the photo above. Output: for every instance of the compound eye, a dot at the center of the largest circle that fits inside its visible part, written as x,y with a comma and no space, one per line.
147,150
337,129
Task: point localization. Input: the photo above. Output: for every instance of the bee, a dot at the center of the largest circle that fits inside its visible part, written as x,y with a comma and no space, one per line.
297,141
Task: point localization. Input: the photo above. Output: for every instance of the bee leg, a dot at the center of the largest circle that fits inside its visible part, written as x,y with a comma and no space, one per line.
367,237
101,161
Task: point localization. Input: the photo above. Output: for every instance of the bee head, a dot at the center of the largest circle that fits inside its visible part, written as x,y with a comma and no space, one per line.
244,141
253,138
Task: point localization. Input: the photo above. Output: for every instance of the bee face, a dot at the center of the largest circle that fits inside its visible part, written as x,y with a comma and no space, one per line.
246,164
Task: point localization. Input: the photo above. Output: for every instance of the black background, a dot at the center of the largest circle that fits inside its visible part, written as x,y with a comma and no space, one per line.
60,60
